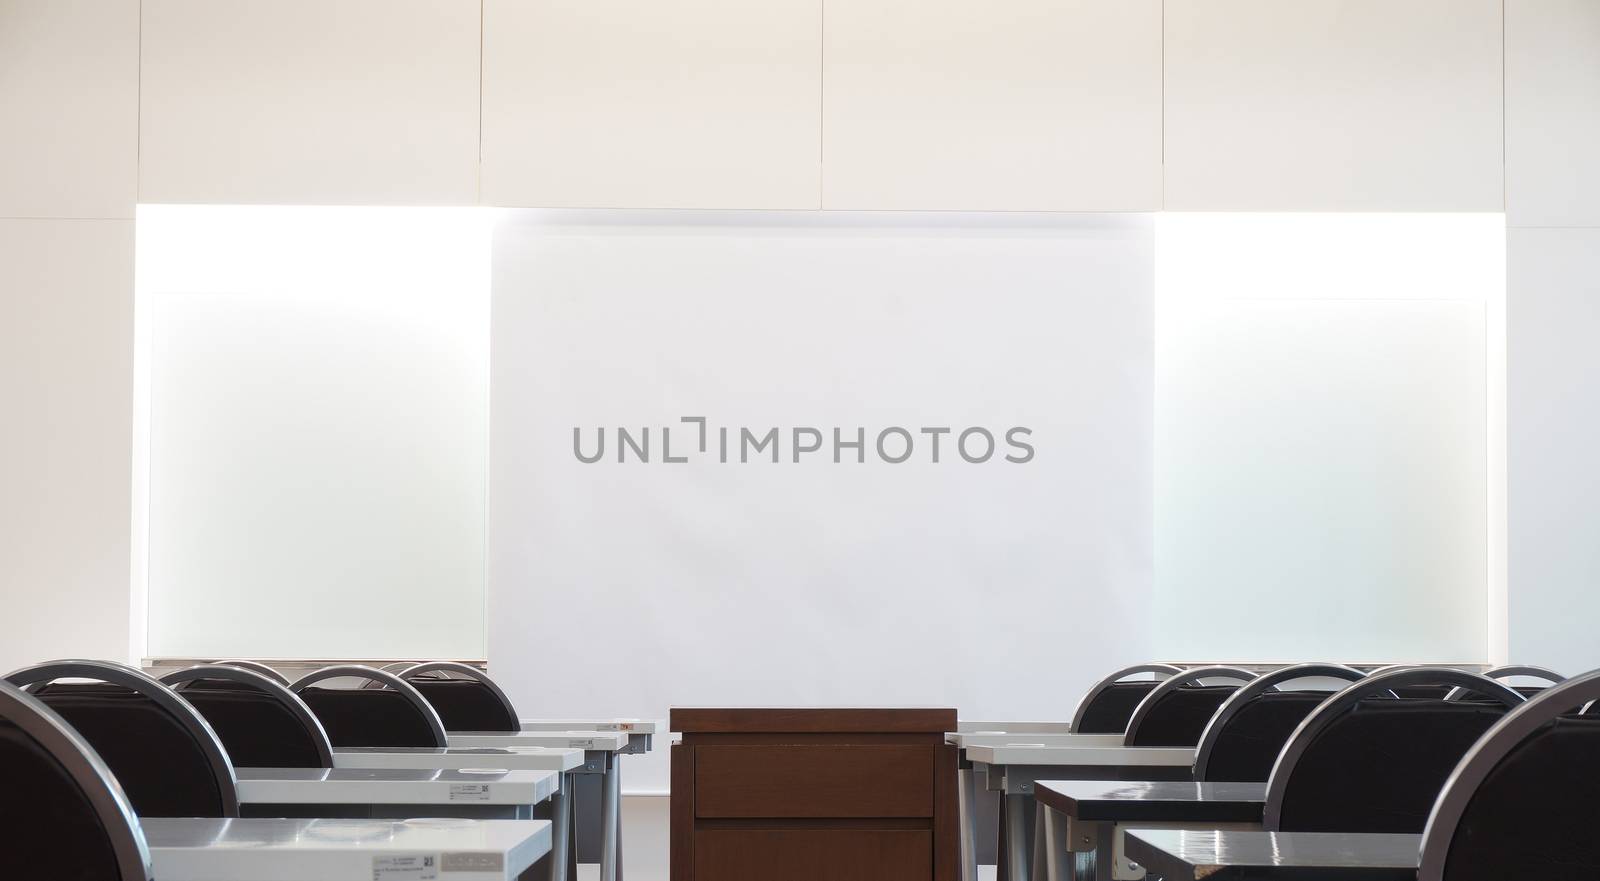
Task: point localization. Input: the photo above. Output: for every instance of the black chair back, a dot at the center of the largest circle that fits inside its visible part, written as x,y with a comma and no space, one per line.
396,715
1244,737
1521,805
1177,711
1366,761
465,698
1109,705
165,756
64,815
262,723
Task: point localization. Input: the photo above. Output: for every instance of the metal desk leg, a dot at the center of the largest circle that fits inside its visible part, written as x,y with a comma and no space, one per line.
1019,861
1040,871
610,819
967,805
561,830
621,848
1002,872
1059,864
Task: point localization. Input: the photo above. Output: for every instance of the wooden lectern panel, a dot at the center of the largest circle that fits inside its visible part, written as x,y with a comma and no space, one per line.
813,855
791,794
801,780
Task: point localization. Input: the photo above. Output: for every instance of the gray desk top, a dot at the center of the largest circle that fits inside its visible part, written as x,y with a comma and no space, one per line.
344,850
1185,855
1160,802
353,786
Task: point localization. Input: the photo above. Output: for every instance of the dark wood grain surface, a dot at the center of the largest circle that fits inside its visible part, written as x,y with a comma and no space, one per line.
813,855
814,780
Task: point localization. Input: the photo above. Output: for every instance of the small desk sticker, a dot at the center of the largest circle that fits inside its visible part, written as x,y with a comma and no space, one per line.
474,862
424,867
469,792
583,743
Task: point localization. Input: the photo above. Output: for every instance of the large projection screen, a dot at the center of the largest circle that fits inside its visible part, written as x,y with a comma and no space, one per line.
647,585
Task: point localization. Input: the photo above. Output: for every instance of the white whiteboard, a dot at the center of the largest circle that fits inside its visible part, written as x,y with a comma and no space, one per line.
697,583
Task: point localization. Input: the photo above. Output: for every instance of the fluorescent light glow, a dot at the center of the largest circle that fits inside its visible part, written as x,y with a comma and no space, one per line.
311,430
1330,256
1330,436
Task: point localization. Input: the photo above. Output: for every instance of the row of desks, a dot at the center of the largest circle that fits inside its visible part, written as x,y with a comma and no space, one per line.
1012,763
1067,796
415,850
1224,840
460,798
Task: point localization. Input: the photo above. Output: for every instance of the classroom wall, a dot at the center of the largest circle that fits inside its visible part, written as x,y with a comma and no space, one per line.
68,157
1553,207
1319,105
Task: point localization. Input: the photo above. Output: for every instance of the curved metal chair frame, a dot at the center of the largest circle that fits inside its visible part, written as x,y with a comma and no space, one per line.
1496,743
393,667
462,671
1509,671
39,675
1175,682
1254,688
89,772
1343,702
253,666
373,674
247,676
1126,672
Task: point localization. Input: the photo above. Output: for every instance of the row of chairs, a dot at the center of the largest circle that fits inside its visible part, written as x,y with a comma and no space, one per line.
1482,767
90,747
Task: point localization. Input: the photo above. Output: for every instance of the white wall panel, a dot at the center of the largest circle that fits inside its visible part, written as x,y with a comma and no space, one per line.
1333,105
1553,112
309,102
66,351
663,104
1554,423
69,107
1016,105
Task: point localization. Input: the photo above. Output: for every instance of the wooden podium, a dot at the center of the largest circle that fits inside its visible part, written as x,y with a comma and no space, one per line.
814,795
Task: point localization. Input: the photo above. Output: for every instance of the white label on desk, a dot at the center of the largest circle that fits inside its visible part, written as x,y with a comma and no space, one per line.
469,792
585,743
474,862
416,868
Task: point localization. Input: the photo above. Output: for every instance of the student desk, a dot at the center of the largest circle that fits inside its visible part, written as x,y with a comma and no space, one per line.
1178,855
1086,817
589,741
964,739
602,750
533,758
980,726
976,815
641,732
344,850
1012,769
527,758
396,793
641,739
